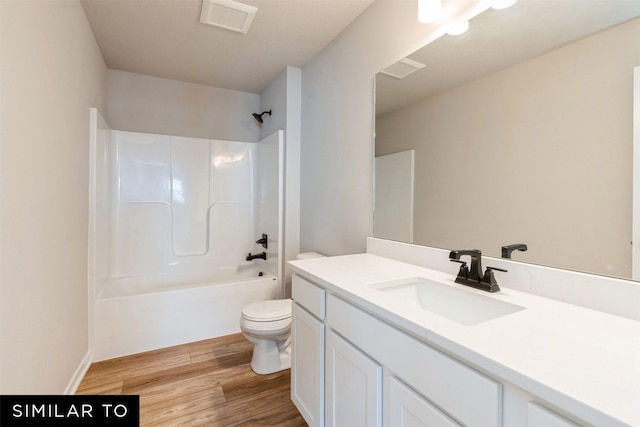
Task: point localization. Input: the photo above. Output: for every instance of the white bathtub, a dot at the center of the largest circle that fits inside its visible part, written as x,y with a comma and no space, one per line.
138,314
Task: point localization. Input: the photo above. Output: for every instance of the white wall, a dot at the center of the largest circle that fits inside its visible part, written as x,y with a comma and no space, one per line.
337,121
100,218
283,98
52,72
268,199
140,103
546,157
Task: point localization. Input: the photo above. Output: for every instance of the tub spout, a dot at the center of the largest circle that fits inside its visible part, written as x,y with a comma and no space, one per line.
262,255
506,250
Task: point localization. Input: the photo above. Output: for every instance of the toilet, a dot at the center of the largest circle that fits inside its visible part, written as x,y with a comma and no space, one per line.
267,324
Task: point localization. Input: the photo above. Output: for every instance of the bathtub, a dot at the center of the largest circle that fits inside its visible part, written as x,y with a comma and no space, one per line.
135,314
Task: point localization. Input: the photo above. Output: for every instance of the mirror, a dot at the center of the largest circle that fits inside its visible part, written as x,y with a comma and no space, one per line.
522,132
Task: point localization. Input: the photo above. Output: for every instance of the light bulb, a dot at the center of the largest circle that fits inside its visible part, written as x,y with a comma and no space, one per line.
457,29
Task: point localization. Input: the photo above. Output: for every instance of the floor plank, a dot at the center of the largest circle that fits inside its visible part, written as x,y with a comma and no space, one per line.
241,411
208,383
101,388
154,411
246,387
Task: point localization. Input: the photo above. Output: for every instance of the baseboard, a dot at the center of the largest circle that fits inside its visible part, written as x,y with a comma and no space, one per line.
78,375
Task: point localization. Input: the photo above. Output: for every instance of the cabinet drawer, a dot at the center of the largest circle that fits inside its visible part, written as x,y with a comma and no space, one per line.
463,393
308,295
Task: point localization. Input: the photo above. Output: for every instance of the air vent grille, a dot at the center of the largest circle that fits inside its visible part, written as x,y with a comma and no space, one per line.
227,14
402,68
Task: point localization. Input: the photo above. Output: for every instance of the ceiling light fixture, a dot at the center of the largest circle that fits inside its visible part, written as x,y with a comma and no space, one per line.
502,4
457,29
429,10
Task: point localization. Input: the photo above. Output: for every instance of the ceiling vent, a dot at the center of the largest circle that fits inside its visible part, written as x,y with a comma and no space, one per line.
402,68
227,14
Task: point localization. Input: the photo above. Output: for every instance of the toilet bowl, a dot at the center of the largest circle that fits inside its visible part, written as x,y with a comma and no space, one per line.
267,324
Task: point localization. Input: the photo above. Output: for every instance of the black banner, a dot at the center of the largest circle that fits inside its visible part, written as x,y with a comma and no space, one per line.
86,411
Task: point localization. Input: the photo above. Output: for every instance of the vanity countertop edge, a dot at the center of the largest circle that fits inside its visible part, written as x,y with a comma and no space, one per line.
577,358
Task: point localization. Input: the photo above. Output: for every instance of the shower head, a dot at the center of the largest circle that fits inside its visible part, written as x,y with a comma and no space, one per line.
258,117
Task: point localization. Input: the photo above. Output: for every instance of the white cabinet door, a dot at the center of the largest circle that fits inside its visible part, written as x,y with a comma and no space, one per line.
354,386
307,365
406,408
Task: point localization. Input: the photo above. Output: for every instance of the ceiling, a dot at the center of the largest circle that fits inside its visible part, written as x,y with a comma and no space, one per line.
498,39
164,38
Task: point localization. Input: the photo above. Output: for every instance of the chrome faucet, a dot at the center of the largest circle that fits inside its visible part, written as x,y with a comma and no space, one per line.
474,276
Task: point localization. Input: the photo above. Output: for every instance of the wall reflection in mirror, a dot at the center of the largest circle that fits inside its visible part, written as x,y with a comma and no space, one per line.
520,131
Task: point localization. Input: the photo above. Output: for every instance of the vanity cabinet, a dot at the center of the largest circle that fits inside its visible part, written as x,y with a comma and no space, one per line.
548,364
343,358
307,350
454,391
352,368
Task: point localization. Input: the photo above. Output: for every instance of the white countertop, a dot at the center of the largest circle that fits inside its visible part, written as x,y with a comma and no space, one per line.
580,359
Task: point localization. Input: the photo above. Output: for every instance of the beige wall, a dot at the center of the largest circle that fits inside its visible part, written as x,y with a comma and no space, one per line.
337,120
52,72
539,153
140,103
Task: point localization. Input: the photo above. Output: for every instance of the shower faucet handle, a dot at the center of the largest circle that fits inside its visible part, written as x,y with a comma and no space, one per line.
263,241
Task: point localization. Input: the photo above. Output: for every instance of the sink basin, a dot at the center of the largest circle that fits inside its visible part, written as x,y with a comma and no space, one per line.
460,305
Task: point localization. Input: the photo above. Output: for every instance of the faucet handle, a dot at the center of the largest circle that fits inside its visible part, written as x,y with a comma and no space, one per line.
263,241
463,273
490,279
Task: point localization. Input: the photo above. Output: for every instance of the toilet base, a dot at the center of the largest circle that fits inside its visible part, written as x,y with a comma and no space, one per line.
271,356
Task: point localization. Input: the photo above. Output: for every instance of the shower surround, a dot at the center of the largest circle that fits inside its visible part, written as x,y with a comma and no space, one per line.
173,219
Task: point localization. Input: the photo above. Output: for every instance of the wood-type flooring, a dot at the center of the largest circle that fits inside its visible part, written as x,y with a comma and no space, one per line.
205,383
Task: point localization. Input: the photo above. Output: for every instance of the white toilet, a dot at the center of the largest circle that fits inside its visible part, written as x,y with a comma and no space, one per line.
267,324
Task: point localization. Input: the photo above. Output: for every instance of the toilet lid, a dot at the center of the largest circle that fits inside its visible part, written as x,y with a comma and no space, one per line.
262,311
